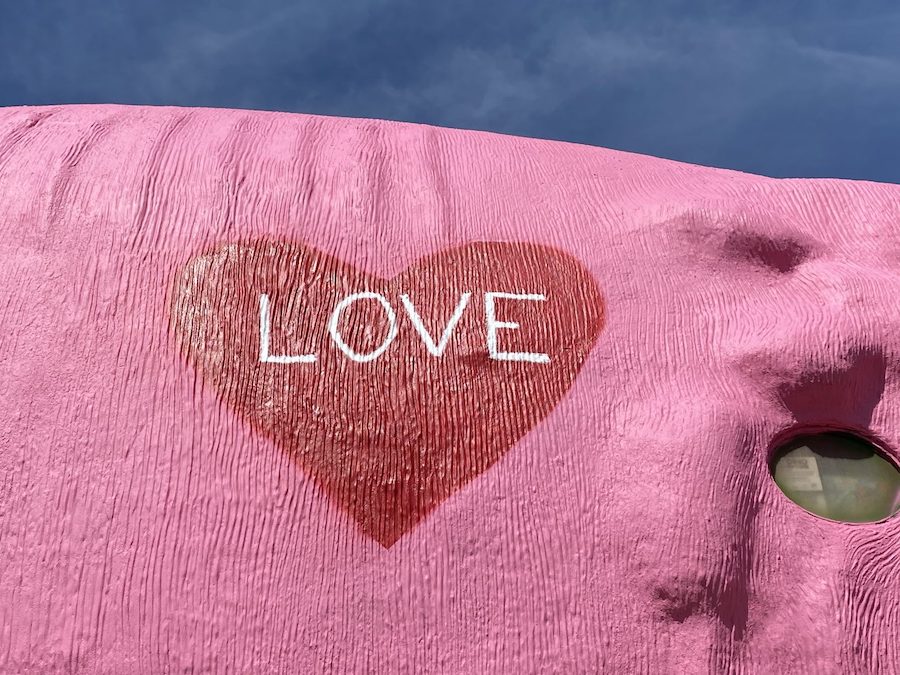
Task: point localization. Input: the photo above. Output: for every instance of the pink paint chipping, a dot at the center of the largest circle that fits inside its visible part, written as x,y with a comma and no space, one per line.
146,528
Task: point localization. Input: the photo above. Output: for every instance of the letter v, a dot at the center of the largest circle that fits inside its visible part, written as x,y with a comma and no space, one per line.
435,349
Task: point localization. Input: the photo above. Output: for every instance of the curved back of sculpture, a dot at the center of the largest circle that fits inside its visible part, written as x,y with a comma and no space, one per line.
286,393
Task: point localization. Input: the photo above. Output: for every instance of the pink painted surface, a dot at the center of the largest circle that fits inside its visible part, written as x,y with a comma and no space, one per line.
145,527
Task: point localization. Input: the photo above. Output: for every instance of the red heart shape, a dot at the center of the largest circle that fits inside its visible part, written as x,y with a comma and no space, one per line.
391,437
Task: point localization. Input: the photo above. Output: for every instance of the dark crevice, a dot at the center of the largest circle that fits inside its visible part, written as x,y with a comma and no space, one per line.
846,395
781,255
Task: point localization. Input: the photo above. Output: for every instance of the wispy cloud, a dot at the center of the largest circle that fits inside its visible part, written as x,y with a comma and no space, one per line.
773,89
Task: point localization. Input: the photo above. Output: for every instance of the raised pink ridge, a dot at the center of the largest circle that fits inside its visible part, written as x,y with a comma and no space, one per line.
146,528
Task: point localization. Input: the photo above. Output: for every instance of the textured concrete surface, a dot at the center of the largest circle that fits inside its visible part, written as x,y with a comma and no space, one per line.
537,442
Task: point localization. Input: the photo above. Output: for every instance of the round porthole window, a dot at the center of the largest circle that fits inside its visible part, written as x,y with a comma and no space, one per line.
839,476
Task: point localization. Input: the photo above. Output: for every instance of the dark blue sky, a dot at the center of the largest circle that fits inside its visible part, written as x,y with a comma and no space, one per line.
780,88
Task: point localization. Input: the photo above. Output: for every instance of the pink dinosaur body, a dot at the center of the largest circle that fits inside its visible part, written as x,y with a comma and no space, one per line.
588,492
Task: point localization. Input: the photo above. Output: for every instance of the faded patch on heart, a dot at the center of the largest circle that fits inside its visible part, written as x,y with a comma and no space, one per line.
391,437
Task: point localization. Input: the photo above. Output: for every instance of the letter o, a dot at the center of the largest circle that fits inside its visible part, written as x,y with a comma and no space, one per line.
339,341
